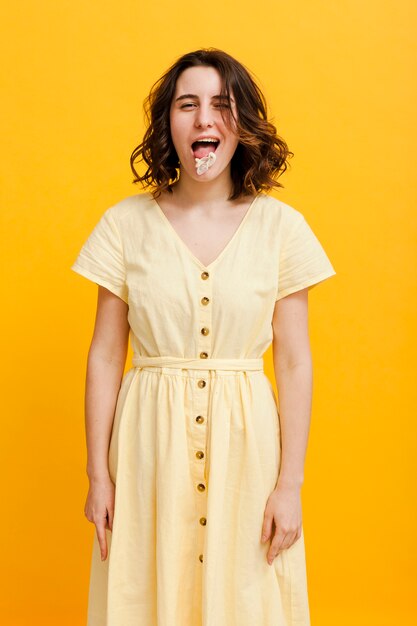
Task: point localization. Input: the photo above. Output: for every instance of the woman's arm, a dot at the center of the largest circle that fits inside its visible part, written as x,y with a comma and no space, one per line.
106,361
105,366
294,379
293,373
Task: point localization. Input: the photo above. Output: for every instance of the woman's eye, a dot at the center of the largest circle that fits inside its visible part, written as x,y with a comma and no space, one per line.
217,106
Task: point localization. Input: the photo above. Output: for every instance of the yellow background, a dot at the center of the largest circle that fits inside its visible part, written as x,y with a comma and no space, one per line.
339,78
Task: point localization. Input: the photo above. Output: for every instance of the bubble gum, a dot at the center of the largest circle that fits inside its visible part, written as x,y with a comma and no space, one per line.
203,164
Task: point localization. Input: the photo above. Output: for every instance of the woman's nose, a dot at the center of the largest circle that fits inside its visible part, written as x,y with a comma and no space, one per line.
204,116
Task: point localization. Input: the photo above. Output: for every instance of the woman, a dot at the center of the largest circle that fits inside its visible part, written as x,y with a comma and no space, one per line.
195,475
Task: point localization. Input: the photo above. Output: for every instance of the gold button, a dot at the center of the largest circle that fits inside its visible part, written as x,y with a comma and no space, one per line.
199,419
201,558
199,454
201,487
204,275
205,300
203,521
205,331
201,383
203,355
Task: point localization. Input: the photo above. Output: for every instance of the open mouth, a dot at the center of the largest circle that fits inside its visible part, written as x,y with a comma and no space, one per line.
203,148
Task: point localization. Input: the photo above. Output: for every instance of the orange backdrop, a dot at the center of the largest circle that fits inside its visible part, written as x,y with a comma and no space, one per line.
340,81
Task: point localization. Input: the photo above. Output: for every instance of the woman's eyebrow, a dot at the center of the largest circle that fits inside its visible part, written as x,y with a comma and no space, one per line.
191,95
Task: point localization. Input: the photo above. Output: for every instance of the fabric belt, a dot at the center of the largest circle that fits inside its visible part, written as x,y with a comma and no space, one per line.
198,364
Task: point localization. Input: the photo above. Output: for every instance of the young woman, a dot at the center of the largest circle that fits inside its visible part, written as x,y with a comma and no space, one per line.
195,471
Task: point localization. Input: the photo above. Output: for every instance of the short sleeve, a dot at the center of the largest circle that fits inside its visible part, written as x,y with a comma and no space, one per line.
303,261
101,257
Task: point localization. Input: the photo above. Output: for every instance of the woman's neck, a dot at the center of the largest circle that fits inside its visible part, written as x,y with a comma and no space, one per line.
190,192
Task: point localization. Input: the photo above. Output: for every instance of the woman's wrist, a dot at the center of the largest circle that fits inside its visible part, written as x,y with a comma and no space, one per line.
289,483
97,475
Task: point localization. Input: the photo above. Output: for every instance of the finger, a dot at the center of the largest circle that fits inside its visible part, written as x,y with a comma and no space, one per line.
295,536
287,543
266,527
276,543
111,517
101,536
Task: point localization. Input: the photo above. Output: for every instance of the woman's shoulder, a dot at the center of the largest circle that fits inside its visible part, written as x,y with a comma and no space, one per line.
130,208
281,213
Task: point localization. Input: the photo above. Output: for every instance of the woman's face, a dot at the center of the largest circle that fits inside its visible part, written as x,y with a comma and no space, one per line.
196,112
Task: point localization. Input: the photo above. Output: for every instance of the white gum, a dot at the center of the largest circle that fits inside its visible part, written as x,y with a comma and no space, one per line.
203,164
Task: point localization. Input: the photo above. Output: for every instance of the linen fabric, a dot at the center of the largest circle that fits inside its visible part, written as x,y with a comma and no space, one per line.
195,447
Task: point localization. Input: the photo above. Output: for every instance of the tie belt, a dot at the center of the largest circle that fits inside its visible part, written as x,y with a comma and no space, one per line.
198,364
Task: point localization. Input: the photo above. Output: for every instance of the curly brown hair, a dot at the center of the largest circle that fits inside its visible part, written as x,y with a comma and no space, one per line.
261,155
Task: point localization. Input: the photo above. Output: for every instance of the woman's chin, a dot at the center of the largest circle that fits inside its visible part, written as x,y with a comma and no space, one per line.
209,174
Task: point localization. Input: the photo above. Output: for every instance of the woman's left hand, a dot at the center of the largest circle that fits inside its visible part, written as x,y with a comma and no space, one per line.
283,508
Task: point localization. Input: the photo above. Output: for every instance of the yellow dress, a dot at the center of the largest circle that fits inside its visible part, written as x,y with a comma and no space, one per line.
195,446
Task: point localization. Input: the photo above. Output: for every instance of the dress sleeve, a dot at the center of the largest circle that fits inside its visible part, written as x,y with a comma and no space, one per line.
101,257
303,261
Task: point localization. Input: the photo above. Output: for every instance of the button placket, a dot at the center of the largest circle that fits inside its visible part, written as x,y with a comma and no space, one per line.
204,319
202,383
199,450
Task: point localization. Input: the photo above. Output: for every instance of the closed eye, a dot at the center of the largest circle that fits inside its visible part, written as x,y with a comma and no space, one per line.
217,106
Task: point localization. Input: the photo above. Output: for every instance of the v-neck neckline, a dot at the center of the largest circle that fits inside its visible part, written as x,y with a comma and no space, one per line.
187,249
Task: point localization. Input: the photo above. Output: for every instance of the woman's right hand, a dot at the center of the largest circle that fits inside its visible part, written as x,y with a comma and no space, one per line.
99,509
